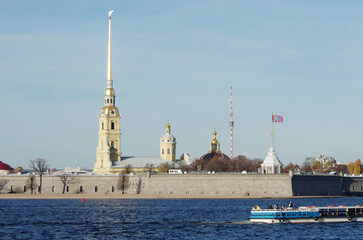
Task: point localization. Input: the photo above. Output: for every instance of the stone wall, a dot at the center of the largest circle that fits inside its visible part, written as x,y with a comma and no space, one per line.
316,185
353,186
161,184
253,185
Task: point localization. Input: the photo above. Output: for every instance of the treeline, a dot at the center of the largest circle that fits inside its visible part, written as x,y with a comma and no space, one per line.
220,163
355,168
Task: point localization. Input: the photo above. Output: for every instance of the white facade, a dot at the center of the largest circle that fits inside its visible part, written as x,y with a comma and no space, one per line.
271,164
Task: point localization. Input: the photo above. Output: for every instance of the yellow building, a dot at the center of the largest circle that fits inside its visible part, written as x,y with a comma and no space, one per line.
168,145
109,160
109,134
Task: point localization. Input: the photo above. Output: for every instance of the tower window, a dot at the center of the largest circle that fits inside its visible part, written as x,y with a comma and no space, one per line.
108,100
162,151
111,100
112,125
168,150
102,126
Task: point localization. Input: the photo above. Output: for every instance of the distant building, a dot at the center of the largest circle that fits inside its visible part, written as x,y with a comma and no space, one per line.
309,161
5,168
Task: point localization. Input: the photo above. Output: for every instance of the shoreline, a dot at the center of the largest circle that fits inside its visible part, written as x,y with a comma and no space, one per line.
146,196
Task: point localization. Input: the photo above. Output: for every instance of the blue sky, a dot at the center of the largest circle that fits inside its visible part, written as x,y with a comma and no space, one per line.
175,60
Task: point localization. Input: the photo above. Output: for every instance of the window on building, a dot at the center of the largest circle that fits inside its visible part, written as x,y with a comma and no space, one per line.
96,188
111,100
102,126
113,189
168,150
112,144
162,151
108,100
67,189
39,189
24,188
53,189
112,125
80,189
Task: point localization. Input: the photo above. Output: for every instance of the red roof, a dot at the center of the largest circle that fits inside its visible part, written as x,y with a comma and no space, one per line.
4,166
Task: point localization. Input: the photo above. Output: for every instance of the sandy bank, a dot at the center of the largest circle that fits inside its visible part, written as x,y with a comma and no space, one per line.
140,196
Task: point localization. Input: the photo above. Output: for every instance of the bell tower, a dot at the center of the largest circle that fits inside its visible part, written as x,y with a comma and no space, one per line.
109,134
168,145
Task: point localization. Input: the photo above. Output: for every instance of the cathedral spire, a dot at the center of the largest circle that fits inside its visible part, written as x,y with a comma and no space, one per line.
109,57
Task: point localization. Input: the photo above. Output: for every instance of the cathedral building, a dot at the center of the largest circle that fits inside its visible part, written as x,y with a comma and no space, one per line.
108,155
214,151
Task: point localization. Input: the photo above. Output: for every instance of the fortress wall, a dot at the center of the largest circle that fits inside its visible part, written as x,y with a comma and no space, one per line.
220,184
353,186
163,184
317,185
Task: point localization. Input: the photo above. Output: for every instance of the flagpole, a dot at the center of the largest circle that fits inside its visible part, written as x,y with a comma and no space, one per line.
272,129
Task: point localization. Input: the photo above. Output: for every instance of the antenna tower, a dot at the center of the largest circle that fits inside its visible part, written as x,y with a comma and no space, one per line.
231,122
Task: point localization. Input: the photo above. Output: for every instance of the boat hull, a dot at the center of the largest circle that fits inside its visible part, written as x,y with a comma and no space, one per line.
313,214
309,220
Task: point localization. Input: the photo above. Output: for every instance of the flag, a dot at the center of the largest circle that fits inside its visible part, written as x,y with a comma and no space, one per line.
277,118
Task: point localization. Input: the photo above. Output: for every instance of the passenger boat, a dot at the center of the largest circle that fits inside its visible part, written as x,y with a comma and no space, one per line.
308,214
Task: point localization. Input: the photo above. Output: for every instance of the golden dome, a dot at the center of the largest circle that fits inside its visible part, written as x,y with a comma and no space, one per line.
109,110
110,92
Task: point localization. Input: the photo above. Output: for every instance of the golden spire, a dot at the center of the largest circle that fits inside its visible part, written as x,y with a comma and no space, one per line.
109,58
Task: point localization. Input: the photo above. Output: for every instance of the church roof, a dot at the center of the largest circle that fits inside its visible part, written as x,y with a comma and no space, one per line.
139,162
4,166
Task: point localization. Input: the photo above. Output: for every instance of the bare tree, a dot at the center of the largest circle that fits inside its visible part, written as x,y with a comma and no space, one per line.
3,184
149,167
39,165
123,181
66,180
31,184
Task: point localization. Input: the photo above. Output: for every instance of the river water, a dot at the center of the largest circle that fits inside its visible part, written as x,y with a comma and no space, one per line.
162,219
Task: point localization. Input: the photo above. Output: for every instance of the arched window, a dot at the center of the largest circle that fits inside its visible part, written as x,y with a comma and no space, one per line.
108,100
80,189
96,188
67,190
102,126
162,151
113,188
168,150
112,125
24,188
53,189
